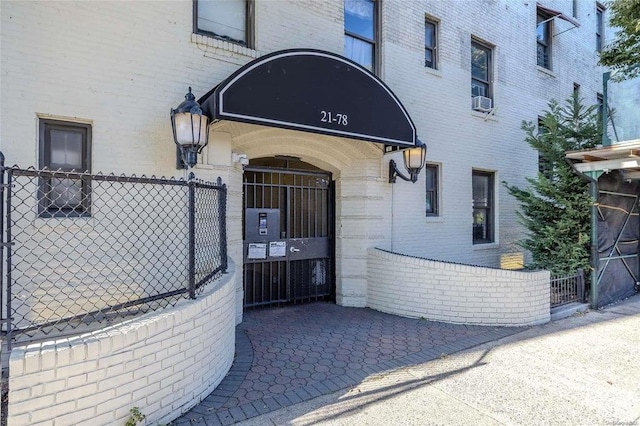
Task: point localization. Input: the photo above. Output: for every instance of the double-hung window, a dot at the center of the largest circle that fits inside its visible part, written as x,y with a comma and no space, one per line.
430,44
229,20
576,90
483,210
543,39
600,106
481,69
544,165
360,32
599,27
64,147
432,192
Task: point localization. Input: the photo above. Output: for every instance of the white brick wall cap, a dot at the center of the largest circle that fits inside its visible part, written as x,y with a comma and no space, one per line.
455,266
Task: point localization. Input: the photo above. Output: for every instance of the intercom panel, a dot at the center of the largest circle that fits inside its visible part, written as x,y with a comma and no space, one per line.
261,225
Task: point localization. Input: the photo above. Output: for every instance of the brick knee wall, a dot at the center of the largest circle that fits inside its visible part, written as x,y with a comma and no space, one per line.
163,362
440,291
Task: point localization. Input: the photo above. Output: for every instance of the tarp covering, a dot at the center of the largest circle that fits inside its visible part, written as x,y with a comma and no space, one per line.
618,235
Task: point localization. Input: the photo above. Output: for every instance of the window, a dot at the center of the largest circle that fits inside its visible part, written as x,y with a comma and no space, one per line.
574,10
483,221
229,20
543,35
481,64
64,146
431,172
360,35
430,44
544,165
576,90
600,106
599,27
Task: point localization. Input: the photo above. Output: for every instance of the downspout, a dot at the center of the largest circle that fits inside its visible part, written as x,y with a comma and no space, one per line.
592,178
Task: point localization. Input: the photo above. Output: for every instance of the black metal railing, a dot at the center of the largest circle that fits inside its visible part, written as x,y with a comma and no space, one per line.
85,250
567,289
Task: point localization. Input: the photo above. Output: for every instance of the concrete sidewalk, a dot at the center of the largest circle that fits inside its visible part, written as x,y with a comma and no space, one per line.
583,370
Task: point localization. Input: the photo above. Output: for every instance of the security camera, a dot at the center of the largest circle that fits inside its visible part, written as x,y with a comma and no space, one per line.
239,158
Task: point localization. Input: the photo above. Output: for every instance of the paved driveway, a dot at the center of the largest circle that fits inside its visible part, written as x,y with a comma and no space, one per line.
582,370
288,355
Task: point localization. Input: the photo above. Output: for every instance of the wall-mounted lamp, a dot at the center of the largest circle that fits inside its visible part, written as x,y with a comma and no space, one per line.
239,158
414,161
190,132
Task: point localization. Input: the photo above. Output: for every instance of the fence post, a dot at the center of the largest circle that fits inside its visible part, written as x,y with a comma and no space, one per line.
192,236
8,243
222,214
4,387
580,284
2,314
6,344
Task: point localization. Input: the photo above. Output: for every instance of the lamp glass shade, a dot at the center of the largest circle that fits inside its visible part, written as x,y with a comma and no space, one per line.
414,158
191,129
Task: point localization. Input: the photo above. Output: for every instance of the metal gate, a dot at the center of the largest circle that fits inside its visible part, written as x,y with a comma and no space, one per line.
288,229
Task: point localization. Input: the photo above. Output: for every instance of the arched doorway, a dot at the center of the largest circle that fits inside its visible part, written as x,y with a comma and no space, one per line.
288,231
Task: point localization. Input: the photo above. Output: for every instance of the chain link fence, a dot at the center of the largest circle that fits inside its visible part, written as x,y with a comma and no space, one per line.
83,251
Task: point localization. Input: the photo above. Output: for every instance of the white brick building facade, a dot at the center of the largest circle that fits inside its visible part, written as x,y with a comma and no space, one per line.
121,66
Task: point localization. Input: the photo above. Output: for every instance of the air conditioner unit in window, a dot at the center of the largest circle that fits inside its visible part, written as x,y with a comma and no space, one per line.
481,103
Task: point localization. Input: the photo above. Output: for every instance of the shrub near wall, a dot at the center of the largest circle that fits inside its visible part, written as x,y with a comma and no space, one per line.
449,292
163,362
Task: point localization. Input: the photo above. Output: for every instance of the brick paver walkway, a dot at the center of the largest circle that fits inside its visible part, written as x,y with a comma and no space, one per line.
288,355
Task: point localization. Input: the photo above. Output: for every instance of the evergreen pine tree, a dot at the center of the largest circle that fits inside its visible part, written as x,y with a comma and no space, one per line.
556,206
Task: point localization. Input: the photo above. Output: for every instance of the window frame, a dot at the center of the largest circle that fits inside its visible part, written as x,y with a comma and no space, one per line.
547,43
434,47
544,166
248,26
489,209
45,210
600,106
434,190
489,82
600,10
375,42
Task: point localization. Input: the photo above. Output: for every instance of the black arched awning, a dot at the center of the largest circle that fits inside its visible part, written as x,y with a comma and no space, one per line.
312,91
